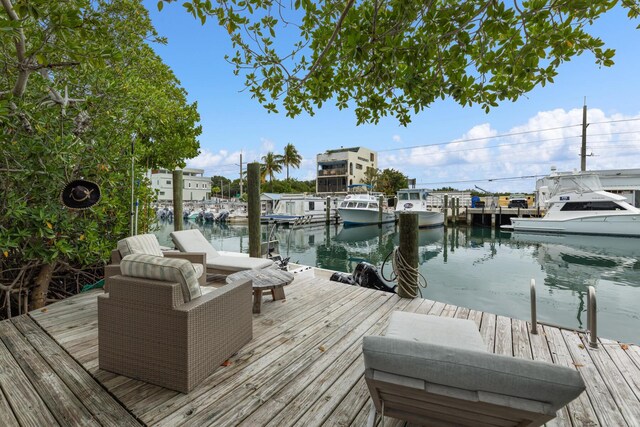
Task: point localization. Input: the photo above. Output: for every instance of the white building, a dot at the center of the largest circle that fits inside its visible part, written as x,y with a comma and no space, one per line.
196,186
342,167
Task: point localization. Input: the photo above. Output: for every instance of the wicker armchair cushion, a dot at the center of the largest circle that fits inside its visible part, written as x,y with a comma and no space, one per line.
165,269
141,244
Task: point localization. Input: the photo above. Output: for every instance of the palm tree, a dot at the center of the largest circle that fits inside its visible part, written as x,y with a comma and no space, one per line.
271,163
291,157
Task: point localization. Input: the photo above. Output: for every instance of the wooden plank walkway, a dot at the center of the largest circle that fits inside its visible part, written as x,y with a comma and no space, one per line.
304,366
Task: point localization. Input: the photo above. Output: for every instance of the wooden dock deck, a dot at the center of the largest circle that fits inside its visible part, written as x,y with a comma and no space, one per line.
303,367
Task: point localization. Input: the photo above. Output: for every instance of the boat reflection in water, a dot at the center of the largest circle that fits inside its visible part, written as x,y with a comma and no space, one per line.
364,233
576,262
573,263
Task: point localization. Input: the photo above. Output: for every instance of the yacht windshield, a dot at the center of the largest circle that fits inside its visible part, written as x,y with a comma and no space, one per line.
583,183
403,196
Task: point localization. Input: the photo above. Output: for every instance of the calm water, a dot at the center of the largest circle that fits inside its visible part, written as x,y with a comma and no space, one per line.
480,268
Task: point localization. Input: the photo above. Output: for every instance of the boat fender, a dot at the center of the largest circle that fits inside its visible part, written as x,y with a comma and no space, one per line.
368,276
341,277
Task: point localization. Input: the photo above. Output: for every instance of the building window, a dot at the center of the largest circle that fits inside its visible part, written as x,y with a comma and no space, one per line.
169,181
371,156
197,185
162,193
358,166
312,206
189,185
350,168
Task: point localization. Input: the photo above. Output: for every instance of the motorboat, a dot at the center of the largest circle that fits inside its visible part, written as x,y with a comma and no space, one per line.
579,205
415,200
298,209
364,207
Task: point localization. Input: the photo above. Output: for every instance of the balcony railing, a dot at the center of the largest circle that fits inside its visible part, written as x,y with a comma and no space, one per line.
332,172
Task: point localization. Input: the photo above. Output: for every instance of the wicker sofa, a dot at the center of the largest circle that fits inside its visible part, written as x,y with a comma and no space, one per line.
148,329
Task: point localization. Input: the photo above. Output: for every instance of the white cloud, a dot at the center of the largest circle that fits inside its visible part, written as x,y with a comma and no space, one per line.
396,138
546,139
266,145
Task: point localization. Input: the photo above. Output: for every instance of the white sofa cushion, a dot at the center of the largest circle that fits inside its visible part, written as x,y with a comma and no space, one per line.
141,244
193,241
164,269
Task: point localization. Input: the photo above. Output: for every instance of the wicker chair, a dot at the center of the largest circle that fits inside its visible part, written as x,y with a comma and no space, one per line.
148,244
148,330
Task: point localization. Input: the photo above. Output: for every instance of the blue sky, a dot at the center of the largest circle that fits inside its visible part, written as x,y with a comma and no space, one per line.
433,148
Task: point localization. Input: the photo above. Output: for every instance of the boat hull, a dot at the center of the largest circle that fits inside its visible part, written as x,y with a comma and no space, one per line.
607,225
354,216
426,218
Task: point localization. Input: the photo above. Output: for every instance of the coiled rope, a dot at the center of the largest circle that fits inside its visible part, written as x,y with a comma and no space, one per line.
404,273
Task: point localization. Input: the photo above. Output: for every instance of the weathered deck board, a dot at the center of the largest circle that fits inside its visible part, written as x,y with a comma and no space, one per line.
303,367
22,399
101,405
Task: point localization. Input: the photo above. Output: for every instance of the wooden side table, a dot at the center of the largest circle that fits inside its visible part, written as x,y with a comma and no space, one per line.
267,279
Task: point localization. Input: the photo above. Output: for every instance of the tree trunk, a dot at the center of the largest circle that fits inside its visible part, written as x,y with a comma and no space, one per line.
39,294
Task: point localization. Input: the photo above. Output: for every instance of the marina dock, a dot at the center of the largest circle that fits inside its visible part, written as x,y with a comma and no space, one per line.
303,367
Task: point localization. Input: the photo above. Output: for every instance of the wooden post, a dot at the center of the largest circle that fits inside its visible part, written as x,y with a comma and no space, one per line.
177,199
380,200
253,208
446,206
453,212
408,247
328,212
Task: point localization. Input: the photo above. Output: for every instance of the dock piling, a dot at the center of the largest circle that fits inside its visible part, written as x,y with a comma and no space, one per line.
328,212
446,207
253,208
408,248
177,199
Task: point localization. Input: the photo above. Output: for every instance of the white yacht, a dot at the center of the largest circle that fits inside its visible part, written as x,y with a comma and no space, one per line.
364,208
415,200
579,205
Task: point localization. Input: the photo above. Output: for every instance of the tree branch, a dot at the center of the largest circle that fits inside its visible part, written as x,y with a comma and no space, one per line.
20,42
336,30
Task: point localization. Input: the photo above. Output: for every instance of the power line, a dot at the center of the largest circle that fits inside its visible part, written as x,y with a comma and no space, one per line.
615,121
510,178
478,139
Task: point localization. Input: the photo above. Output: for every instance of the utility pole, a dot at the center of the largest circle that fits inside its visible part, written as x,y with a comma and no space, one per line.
583,151
241,174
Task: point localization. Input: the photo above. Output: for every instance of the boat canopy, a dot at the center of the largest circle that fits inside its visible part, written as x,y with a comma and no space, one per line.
579,183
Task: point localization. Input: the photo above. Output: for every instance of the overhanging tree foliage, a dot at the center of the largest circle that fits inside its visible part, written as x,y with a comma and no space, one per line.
396,57
79,85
